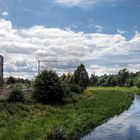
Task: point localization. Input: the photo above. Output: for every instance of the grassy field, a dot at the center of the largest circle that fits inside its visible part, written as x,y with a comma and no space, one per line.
83,113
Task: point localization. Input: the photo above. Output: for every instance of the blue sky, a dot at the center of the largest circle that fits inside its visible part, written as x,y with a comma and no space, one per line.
112,15
110,20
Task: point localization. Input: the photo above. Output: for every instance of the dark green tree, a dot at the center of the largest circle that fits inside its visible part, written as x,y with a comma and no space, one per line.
93,80
101,80
129,82
113,80
48,87
64,77
16,95
11,80
122,77
137,80
137,83
81,76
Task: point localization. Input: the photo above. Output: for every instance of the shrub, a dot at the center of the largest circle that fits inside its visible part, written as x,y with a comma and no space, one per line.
16,95
48,87
66,89
11,80
57,134
76,88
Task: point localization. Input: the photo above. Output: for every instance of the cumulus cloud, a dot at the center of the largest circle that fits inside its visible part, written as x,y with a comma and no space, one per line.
99,28
21,46
82,3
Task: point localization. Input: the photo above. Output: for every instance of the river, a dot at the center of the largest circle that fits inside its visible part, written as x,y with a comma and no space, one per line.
125,126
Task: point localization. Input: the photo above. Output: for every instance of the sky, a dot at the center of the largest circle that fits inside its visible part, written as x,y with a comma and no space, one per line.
102,34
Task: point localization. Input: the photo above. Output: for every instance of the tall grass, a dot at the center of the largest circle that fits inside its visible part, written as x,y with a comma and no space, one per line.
84,112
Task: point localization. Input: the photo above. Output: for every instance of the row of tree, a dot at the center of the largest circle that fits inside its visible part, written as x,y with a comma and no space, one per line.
49,87
122,78
13,80
80,78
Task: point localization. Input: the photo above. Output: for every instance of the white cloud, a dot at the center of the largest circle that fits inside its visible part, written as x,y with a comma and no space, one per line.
20,47
99,28
68,1
121,31
83,3
5,14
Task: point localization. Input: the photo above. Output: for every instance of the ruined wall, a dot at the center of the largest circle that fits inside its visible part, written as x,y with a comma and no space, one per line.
1,73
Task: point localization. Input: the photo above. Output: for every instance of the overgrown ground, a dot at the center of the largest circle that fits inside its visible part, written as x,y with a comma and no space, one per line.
84,112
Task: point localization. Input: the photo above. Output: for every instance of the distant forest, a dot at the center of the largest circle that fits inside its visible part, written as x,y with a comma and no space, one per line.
122,78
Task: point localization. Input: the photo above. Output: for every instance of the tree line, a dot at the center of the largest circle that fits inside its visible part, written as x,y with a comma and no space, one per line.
122,78
49,87
13,80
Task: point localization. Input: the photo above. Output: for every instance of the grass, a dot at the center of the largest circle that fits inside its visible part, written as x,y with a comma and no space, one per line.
79,116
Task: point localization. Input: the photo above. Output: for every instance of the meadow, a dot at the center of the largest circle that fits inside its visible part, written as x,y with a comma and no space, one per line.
78,116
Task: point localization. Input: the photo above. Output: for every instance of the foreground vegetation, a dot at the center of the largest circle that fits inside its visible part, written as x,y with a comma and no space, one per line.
81,113
63,107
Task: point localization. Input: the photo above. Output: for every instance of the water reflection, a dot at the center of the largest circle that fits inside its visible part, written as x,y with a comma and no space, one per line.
126,126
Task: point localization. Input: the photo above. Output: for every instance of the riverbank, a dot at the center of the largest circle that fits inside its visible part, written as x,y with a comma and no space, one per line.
121,127
72,120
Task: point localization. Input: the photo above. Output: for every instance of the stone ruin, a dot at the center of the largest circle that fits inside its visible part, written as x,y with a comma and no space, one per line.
1,74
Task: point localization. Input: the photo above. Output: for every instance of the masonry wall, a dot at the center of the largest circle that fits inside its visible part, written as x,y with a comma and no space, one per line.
1,73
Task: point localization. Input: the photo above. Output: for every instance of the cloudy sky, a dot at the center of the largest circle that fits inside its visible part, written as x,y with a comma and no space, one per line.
102,34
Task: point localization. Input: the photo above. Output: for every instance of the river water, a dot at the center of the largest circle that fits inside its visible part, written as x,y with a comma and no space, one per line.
125,126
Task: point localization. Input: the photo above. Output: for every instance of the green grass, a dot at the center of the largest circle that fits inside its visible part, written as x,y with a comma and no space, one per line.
83,113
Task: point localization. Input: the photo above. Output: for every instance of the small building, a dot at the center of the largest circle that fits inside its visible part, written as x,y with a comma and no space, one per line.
1,73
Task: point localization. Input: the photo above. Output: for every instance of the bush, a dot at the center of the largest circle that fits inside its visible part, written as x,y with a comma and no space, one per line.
11,80
76,88
66,89
57,134
48,87
16,95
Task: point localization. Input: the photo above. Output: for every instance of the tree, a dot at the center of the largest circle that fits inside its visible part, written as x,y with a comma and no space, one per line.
113,81
137,80
81,76
11,80
70,78
48,87
102,80
64,77
137,83
93,80
129,82
16,95
123,75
